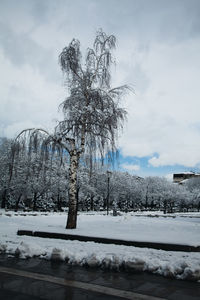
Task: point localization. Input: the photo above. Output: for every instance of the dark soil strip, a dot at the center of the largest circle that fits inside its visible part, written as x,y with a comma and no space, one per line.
73,237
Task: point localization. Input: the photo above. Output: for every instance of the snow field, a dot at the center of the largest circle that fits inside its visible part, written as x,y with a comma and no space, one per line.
181,265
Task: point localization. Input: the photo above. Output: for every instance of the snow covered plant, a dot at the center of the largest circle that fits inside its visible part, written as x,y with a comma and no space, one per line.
92,112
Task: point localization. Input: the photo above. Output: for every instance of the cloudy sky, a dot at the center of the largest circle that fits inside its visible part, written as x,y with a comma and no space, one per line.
158,53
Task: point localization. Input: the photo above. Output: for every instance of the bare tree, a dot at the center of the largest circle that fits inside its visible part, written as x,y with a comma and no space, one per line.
92,112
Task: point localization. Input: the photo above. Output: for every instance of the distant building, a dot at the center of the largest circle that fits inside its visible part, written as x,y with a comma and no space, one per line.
181,177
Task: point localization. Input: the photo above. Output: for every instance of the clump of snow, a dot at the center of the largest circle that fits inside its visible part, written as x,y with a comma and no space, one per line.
179,265
27,250
3,248
57,255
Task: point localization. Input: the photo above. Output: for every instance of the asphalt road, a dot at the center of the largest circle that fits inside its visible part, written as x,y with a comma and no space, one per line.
39,279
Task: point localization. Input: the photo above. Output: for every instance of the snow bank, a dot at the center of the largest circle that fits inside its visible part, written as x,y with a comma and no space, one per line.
179,265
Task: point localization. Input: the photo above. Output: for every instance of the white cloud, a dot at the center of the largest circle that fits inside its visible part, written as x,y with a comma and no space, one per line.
26,98
131,167
164,118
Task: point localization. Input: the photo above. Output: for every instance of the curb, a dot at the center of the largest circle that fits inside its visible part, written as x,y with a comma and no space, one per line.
72,237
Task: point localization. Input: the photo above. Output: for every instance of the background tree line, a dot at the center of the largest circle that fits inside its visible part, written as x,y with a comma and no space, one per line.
26,183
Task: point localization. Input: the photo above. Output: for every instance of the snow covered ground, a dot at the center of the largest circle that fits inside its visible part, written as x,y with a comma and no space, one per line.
178,228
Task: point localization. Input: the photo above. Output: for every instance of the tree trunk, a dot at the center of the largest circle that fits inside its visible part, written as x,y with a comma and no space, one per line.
146,199
4,199
77,197
17,202
165,207
35,201
92,202
72,214
59,202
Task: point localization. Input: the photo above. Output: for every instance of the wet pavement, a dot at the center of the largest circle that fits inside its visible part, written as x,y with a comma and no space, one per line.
85,283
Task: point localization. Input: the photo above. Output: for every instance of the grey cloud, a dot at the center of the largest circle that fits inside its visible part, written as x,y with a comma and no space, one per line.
20,49
170,20
158,52
142,20
41,10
